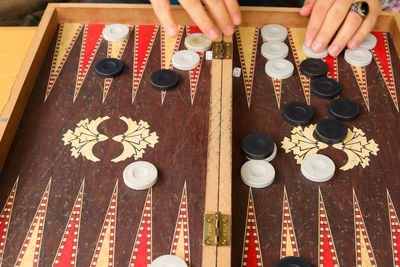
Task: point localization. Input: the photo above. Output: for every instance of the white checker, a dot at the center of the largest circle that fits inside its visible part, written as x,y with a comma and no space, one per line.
115,32
360,57
274,32
279,68
317,168
209,55
257,173
273,155
236,72
140,175
311,54
197,42
168,261
369,42
185,60
274,49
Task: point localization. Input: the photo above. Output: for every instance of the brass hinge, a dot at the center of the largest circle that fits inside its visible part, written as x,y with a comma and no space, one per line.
222,50
217,229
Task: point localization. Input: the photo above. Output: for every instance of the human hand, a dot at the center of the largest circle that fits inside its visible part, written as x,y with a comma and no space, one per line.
226,13
331,16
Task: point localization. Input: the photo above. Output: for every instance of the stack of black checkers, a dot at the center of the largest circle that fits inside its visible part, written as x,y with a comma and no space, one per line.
298,113
164,80
259,149
292,261
109,67
321,86
344,109
324,87
313,68
332,131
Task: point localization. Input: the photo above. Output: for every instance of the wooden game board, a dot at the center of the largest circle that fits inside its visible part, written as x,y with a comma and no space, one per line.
70,134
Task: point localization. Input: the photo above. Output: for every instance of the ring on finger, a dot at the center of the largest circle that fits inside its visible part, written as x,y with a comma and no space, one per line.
361,8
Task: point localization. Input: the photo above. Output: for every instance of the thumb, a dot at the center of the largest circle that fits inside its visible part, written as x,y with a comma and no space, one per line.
307,7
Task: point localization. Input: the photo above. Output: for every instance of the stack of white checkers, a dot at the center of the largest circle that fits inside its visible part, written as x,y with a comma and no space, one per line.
311,54
275,50
361,56
140,175
168,261
257,173
197,42
115,32
185,60
317,168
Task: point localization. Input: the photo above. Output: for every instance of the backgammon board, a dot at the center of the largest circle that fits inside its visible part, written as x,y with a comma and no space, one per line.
67,135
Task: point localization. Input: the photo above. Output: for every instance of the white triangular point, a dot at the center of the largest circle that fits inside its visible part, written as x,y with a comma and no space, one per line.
383,59
30,251
251,255
364,253
68,247
66,38
394,230
5,218
144,40
296,44
115,50
141,253
180,242
327,251
105,248
247,40
92,37
361,77
194,74
277,90
288,237
169,46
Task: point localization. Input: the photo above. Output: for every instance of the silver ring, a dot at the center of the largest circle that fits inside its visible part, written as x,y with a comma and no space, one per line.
361,8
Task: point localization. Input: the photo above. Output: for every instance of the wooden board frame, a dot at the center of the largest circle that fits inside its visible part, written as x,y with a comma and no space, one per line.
218,191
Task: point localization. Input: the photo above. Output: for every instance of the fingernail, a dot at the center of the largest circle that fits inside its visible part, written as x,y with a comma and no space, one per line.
213,34
237,19
352,44
308,41
333,50
229,30
317,47
171,31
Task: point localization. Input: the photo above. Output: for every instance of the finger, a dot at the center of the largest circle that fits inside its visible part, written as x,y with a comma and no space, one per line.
218,11
234,11
319,12
366,26
200,17
162,9
349,27
307,8
333,19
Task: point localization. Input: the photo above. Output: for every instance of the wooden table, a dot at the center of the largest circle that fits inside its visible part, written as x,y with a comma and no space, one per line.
13,47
